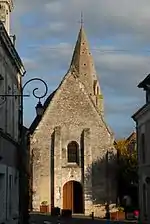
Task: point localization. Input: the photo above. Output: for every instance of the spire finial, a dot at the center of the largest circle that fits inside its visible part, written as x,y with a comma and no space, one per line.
81,21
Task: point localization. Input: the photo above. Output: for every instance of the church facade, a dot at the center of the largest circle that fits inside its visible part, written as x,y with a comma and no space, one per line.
70,142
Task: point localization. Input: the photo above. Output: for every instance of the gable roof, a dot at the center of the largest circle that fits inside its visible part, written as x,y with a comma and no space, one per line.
81,54
132,137
143,84
51,97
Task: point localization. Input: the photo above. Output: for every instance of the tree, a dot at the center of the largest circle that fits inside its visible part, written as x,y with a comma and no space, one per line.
127,167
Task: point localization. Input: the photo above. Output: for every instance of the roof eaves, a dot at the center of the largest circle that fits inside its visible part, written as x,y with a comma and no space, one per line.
11,49
145,82
142,109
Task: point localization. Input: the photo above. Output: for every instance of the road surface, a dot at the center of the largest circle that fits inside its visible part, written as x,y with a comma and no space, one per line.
47,219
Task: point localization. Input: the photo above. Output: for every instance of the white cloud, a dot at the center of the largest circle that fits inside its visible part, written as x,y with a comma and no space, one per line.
53,7
130,13
29,64
57,26
118,24
126,20
105,17
116,71
122,71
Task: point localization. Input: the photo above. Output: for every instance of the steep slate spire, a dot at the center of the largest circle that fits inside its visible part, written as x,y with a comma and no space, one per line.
82,60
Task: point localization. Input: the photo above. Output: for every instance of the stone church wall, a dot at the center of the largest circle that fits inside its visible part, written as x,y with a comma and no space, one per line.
71,116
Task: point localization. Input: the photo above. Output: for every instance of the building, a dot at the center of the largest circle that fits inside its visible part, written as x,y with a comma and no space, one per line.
11,71
71,141
6,7
142,119
131,142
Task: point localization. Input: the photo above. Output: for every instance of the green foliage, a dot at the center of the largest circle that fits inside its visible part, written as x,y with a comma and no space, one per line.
120,209
127,161
44,203
100,96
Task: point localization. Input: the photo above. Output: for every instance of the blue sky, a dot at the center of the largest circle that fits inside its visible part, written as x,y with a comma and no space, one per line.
46,34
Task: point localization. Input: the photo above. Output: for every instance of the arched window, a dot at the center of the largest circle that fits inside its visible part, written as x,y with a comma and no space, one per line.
72,150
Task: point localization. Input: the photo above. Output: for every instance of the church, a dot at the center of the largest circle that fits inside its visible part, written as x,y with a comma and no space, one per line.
71,141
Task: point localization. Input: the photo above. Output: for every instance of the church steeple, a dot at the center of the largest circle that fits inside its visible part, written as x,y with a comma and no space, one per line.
83,61
6,7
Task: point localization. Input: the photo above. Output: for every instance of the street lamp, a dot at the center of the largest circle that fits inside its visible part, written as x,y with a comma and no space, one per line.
22,164
39,106
39,109
23,178
107,186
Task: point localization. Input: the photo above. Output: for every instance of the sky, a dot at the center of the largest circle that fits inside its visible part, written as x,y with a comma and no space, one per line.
118,32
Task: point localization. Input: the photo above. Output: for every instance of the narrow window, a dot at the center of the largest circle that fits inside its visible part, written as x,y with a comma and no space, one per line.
73,152
143,148
97,90
94,86
1,77
10,194
145,201
2,196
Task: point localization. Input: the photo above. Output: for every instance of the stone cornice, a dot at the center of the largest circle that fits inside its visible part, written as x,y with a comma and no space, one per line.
8,137
141,111
5,39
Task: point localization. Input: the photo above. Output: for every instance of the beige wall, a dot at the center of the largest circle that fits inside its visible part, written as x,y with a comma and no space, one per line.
9,110
9,133
143,127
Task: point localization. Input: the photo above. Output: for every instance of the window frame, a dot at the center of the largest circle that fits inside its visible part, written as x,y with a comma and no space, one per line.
143,153
73,152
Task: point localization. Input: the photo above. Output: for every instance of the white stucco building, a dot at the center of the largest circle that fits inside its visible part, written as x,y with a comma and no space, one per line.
142,119
11,71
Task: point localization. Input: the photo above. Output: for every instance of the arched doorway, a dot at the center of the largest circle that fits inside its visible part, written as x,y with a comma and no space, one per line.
73,197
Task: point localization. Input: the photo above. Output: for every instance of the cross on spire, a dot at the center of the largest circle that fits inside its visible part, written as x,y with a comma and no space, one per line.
81,20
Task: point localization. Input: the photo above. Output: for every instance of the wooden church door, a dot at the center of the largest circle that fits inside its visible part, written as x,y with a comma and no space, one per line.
73,197
68,195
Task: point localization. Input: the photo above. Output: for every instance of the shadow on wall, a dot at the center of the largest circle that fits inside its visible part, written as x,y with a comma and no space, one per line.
103,174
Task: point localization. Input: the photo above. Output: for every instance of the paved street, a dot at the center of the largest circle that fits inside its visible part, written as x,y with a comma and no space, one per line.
47,219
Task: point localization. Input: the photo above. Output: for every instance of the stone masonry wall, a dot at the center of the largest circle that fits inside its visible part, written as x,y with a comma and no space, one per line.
72,111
